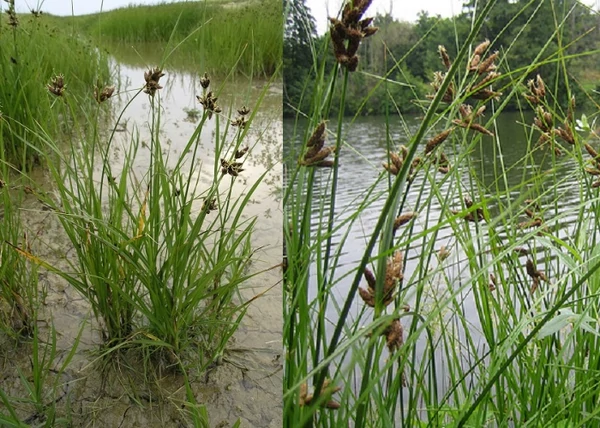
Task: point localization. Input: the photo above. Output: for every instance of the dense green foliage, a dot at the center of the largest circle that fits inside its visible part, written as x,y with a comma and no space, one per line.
406,53
32,53
242,36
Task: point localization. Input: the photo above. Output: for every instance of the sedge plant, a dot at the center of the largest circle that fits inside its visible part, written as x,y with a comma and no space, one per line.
494,327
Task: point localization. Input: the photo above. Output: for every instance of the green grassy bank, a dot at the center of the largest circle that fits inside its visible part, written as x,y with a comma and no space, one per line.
33,52
211,36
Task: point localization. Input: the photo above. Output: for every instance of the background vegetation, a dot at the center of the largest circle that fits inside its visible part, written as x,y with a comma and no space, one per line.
406,52
243,37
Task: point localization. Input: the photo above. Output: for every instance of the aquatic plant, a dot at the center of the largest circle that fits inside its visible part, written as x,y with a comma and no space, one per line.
459,337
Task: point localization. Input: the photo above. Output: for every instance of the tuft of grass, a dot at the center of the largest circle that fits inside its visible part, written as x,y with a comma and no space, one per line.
474,333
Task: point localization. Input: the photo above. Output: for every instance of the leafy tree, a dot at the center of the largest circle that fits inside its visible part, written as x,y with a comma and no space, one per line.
298,39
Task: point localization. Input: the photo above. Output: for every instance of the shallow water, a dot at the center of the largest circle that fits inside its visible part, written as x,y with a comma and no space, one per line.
246,385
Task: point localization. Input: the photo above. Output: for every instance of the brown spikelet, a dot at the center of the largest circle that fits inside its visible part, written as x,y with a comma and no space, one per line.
488,64
323,164
592,171
521,251
486,94
396,160
437,140
370,278
484,82
481,47
444,56
394,335
317,136
540,87
403,219
593,153
321,155
493,282
391,168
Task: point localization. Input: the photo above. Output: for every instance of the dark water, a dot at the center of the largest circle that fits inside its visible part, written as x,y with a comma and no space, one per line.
537,174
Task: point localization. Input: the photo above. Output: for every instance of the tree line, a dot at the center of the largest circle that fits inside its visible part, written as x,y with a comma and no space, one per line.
563,33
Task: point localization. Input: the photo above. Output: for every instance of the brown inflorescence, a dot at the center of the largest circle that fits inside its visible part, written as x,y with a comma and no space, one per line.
473,216
209,102
241,120
437,140
534,220
403,219
347,33
595,170
535,274
468,117
152,78
398,161
102,95
12,14
209,205
316,154
327,391
436,84
393,277
231,168
394,335
57,85
493,282
486,67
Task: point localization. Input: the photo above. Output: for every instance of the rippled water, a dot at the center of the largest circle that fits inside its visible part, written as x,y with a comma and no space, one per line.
538,174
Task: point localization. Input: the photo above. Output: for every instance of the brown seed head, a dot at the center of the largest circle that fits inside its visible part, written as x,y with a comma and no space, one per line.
205,81
481,47
403,219
240,153
394,335
444,56
437,140
57,85
106,93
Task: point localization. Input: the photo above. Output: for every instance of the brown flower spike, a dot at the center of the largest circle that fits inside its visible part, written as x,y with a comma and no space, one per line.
152,77
535,274
106,93
327,391
393,277
57,85
347,33
316,154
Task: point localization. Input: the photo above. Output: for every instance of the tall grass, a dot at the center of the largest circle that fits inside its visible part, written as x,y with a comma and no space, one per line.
32,52
244,37
497,331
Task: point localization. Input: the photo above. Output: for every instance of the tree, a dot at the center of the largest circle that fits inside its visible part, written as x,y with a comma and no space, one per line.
298,38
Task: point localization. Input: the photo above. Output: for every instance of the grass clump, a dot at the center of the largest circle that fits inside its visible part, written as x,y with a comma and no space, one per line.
472,301
243,36
33,51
